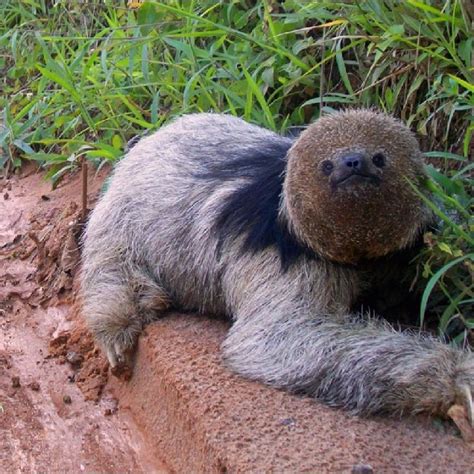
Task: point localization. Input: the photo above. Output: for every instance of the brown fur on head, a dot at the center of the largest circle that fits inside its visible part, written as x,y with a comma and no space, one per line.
345,215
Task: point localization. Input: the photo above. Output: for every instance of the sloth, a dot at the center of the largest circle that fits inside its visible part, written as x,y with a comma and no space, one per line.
286,236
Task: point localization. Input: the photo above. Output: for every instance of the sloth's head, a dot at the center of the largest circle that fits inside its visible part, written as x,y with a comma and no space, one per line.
346,191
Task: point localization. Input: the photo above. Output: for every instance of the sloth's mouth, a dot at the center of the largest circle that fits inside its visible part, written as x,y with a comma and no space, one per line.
355,177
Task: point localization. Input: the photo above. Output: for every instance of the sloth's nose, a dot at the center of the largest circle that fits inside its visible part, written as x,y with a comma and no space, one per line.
353,168
355,161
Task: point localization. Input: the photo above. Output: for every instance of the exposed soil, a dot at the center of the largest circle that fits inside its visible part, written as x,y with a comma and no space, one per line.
56,414
217,422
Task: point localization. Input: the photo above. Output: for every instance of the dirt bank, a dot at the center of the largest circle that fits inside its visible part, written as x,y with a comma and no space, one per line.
182,411
46,423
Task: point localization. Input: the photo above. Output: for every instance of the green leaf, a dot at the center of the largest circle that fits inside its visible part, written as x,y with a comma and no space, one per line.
268,76
341,65
444,154
146,17
395,30
261,99
154,107
462,82
117,142
445,248
145,69
435,278
23,146
48,157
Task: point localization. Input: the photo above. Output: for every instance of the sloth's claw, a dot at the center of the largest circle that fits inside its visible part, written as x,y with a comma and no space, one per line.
111,356
120,360
468,403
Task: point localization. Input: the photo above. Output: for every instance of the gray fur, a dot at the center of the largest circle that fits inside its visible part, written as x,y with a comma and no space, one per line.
150,243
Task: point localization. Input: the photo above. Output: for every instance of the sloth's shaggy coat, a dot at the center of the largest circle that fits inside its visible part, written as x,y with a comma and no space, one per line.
215,215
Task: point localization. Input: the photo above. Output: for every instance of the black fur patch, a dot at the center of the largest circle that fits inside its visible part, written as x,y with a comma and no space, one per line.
252,210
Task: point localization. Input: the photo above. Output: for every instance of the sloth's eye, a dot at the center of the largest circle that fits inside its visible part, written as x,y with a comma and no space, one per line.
378,160
327,167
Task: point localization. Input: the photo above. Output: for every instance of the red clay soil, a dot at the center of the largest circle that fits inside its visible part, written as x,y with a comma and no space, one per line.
46,422
182,411
203,416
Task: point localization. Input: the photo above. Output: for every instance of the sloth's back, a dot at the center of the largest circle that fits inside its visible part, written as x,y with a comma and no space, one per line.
162,202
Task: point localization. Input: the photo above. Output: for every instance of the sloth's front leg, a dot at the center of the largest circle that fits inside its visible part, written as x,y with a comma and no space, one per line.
362,365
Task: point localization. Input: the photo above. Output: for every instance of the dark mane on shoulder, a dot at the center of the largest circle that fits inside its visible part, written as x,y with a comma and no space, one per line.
252,210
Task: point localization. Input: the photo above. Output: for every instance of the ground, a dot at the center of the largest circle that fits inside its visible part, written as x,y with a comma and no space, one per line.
55,415
182,411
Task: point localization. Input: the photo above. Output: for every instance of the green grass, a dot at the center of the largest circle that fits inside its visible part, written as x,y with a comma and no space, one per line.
447,262
80,79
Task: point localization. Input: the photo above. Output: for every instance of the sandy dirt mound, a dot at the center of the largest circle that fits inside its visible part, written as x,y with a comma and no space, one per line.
49,366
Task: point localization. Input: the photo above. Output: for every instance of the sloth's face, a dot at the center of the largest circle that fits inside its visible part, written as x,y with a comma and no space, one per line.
347,191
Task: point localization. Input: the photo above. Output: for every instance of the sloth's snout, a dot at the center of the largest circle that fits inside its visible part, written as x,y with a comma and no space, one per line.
353,168
354,161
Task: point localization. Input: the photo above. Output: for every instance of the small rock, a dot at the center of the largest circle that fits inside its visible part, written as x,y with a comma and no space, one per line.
288,421
35,386
16,381
6,196
107,412
71,378
67,399
362,469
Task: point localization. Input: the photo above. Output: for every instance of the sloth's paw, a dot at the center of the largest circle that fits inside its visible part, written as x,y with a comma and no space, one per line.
118,342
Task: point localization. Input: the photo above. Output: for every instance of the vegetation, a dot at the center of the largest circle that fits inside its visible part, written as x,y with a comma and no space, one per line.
79,79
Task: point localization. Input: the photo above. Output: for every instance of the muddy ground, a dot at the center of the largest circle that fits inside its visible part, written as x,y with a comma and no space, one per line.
56,414
60,411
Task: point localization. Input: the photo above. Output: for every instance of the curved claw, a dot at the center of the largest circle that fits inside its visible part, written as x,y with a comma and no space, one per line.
120,360
111,356
468,403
